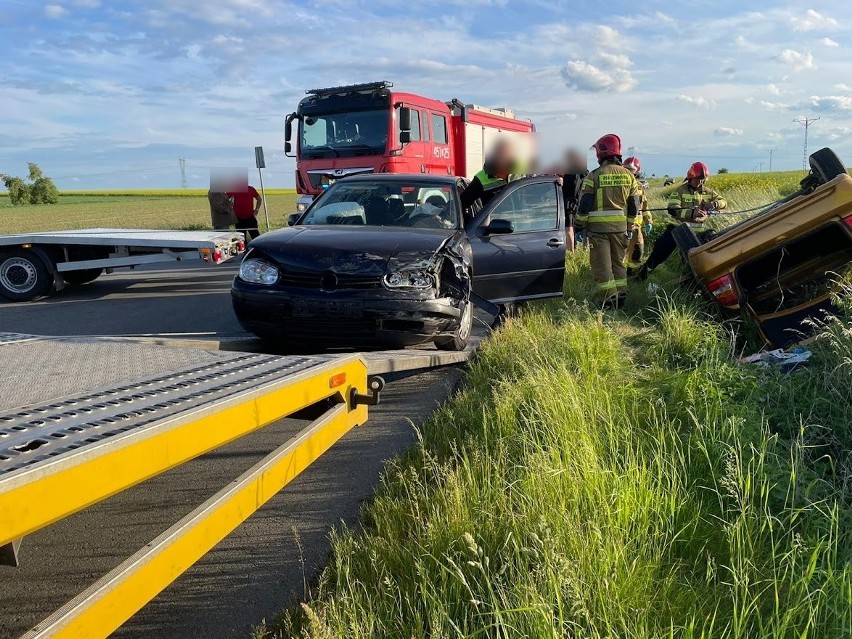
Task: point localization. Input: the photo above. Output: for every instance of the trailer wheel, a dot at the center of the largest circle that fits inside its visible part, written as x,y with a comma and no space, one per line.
23,275
826,165
82,277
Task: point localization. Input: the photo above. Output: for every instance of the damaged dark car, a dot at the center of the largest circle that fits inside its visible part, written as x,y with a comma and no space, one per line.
393,260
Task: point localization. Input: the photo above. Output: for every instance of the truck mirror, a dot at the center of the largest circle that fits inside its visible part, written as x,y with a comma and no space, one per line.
404,137
293,218
404,119
288,132
288,148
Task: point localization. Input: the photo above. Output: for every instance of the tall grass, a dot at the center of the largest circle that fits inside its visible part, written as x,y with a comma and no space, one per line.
623,477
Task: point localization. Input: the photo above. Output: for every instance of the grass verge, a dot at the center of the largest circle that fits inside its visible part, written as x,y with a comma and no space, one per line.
623,478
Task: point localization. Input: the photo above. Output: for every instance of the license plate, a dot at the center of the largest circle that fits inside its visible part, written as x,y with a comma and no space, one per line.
334,308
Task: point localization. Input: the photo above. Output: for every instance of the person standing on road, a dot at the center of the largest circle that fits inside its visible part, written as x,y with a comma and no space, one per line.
636,240
221,210
691,202
610,204
572,185
247,204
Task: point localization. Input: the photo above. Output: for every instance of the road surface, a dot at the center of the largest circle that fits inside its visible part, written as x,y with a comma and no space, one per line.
265,564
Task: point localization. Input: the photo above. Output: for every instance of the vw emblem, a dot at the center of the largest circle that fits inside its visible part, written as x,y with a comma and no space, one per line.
328,281
339,172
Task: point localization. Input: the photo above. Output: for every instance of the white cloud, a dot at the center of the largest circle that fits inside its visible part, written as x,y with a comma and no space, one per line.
797,59
698,100
829,42
846,88
87,4
54,11
724,131
773,89
607,37
775,106
814,21
585,76
616,60
830,102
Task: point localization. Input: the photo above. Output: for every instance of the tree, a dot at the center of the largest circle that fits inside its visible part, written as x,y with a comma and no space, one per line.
722,171
39,190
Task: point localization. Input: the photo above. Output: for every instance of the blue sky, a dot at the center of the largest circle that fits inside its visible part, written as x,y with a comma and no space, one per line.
108,94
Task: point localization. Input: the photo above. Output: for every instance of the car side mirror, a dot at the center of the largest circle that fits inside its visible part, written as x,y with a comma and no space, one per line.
404,119
498,227
404,137
293,218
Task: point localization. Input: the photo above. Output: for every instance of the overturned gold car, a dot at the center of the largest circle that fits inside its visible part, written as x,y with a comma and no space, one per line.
782,266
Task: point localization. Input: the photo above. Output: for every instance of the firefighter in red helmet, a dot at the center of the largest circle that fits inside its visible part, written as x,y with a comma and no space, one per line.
610,202
636,240
691,203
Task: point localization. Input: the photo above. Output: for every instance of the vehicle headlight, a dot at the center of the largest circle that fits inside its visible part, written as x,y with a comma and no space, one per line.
301,207
258,272
414,278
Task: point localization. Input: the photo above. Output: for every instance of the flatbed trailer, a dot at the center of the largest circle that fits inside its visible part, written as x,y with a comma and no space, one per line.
83,419
34,264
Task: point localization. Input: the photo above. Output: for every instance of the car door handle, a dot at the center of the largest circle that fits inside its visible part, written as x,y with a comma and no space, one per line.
555,242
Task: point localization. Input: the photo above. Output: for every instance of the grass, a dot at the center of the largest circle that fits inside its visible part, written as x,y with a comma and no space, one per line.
174,209
624,478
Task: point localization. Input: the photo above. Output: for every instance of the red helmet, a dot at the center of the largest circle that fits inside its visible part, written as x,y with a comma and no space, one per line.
632,164
608,146
698,171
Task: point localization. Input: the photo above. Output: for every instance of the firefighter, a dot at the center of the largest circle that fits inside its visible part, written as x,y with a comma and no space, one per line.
691,202
636,241
494,175
610,202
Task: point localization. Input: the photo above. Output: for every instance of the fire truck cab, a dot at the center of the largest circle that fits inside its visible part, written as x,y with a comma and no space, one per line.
370,128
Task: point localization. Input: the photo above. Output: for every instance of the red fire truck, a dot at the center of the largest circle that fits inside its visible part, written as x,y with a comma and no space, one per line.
365,128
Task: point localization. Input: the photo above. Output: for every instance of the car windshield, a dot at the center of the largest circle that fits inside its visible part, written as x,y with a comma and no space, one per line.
414,204
343,134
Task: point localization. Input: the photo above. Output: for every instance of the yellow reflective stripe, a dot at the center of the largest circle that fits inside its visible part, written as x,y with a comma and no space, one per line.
588,183
599,203
615,179
620,283
603,217
607,286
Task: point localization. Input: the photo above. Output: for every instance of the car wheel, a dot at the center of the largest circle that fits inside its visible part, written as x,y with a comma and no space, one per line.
826,165
23,276
458,340
82,277
685,239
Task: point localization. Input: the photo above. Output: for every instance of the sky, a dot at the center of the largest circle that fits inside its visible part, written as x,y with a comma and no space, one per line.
108,94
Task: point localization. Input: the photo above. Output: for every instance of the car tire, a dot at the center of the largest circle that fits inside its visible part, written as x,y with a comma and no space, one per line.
82,277
685,239
826,165
23,275
458,340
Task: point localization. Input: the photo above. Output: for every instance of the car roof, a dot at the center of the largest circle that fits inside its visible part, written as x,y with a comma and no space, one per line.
448,180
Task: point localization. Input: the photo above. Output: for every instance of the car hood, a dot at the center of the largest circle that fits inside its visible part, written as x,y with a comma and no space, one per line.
353,249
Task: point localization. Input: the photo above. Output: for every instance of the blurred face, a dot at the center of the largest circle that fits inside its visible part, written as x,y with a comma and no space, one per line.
503,160
696,183
575,161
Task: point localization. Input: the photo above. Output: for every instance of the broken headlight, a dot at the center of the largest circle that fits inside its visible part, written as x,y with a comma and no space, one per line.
414,278
258,272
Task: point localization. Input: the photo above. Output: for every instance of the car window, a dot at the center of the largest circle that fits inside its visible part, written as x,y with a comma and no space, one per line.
533,207
415,125
439,129
425,119
412,204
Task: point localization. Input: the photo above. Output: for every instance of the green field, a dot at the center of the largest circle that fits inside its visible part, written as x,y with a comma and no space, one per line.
130,209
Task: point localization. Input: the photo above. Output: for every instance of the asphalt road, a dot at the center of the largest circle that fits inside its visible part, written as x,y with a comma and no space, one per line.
267,563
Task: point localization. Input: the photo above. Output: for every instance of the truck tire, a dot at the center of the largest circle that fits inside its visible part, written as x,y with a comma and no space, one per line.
826,165
23,275
685,239
82,277
458,340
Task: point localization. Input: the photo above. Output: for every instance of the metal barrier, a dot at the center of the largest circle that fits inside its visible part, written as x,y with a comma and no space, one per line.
58,458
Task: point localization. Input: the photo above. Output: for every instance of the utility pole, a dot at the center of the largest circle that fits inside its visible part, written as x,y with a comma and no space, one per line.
182,165
631,150
805,122
771,151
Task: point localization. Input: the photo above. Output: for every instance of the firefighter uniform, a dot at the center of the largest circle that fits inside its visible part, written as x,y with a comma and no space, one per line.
483,187
609,208
684,201
636,238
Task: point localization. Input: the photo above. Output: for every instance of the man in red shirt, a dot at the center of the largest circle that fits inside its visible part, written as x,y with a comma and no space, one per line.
246,206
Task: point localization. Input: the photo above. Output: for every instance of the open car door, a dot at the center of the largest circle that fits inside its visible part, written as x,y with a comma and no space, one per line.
518,242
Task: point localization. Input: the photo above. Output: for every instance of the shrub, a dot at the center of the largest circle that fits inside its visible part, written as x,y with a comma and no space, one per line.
39,190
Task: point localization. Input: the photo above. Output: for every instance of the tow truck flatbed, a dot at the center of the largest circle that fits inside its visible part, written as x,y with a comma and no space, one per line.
35,263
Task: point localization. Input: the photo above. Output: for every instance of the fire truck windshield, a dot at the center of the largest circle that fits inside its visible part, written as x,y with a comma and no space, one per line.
344,134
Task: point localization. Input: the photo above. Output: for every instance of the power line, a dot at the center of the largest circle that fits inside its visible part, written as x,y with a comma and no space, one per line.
182,164
805,122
